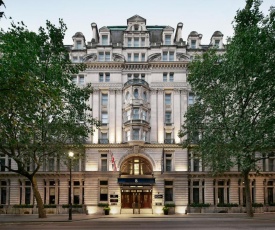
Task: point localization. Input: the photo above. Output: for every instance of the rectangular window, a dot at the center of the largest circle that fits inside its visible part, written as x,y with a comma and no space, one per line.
107,77
168,191
143,57
129,57
164,77
78,45
107,56
190,99
104,99
104,162
168,162
136,42
165,56
142,42
136,57
101,56
135,134
104,118
193,44
104,40
171,56
168,117
171,77
101,77
167,39
167,99
129,42
81,79
103,191
217,43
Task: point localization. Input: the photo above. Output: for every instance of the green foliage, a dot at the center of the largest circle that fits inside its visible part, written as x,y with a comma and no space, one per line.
102,205
170,205
257,205
42,111
23,206
199,205
233,115
228,205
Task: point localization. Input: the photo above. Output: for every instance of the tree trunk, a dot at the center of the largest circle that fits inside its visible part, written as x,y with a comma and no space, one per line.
249,210
40,205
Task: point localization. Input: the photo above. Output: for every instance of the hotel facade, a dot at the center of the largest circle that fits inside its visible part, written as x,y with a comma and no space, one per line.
134,161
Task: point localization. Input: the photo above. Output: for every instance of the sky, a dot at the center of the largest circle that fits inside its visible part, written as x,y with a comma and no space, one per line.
203,16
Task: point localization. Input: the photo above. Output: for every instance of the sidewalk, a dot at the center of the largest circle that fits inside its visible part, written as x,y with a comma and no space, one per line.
7,218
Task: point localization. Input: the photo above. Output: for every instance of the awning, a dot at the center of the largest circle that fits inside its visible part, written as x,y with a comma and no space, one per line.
136,181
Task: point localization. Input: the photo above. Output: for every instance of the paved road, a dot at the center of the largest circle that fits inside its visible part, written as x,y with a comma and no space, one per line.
123,223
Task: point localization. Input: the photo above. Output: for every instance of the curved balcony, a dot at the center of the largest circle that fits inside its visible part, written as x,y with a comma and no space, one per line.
136,82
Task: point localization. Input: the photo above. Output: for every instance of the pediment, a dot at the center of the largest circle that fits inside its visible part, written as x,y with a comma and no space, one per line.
136,18
104,29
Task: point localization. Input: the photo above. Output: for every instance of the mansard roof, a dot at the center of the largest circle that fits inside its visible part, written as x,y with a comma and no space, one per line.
136,18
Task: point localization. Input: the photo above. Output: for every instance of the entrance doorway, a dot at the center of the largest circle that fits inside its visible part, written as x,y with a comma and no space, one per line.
135,198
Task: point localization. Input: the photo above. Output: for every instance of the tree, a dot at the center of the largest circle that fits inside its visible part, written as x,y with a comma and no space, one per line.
233,117
43,113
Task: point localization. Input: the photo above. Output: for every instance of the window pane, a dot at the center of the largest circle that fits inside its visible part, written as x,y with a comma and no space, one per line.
165,56
136,42
104,39
168,194
167,39
171,56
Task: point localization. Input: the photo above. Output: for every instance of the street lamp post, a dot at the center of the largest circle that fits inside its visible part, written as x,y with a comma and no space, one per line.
71,154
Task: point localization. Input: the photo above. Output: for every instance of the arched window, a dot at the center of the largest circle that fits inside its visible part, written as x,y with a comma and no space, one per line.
136,166
136,93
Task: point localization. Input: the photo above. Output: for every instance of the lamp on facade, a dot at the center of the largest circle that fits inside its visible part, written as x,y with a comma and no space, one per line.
71,154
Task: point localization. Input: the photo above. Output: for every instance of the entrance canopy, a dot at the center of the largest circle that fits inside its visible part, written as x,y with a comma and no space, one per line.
136,181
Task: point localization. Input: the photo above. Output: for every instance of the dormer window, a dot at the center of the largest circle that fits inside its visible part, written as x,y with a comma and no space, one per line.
78,45
217,43
105,40
193,44
136,27
167,40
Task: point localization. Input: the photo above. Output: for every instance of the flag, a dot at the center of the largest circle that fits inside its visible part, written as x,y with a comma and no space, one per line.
162,161
113,161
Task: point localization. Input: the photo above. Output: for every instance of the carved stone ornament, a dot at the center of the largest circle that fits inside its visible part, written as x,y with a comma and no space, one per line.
182,57
90,57
154,57
118,57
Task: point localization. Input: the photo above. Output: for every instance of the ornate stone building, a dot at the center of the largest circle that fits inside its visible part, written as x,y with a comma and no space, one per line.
141,93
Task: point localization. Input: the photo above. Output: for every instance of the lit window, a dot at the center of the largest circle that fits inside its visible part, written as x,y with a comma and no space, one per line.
104,40
167,39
